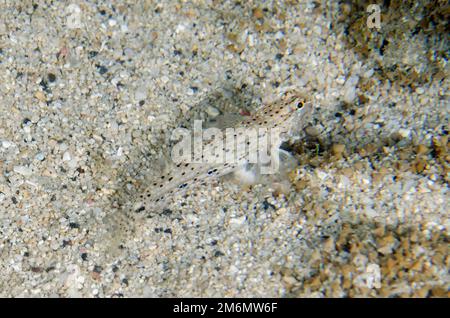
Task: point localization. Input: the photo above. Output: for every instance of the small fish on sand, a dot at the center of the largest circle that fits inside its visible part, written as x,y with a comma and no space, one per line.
228,150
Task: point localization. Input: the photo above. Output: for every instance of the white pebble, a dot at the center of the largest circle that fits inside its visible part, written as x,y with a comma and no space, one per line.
140,93
322,175
420,90
72,163
404,132
212,111
340,80
238,221
6,144
40,156
180,28
349,93
63,147
369,73
67,156
25,171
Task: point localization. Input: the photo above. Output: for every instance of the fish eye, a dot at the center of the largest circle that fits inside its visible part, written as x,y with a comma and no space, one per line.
300,104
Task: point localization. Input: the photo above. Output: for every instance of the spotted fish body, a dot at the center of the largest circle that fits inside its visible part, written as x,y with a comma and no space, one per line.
283,115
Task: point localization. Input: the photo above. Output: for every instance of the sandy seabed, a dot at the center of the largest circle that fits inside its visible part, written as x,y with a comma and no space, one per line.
90,93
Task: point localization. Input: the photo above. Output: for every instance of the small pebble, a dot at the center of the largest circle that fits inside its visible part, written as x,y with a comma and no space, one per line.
349,90
338,149
102,69
25,171
421,149
40,96
420,90
6,144
258,13
212,112
404,133
312,131
40,156
67,156
51,77
141,93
